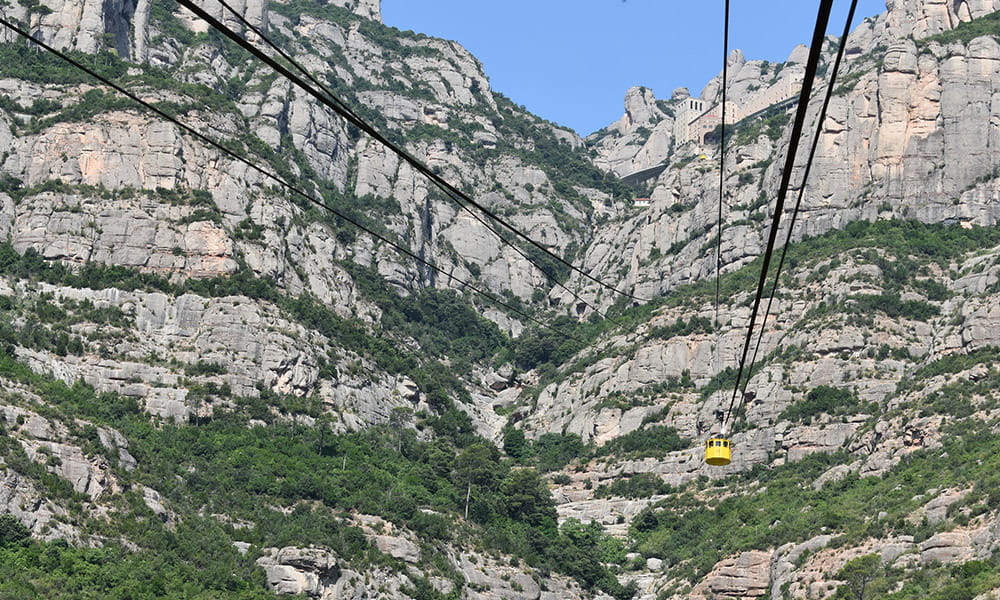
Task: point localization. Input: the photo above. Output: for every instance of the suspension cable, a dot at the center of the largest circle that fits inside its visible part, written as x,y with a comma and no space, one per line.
822,18
722,185
798,201
371,131
722,166
448,193
276,178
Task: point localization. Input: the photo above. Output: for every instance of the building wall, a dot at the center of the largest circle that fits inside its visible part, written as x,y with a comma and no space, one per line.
693,122
709,120
780,91
690,108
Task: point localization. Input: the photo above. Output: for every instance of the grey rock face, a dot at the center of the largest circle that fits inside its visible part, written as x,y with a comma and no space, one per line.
640,109
642,138
59,449
130,235
370,9
20,498
248,343
916,109
784,558
947,547
154,501
937,509
318,573
293,570
746,575
880,156
921,19
396,547
88,476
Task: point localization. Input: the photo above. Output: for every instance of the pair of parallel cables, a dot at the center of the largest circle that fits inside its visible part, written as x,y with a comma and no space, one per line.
331,101
822,19
325,96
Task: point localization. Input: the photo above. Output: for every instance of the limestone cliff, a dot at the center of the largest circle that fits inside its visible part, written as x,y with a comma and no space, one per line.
145,265
901,109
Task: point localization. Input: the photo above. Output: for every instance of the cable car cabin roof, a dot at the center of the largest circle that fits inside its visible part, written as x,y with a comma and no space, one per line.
718,452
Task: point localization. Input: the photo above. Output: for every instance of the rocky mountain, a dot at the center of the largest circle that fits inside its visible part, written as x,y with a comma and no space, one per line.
213,388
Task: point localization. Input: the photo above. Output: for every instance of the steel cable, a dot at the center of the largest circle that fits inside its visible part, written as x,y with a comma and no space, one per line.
276,178
812,65
798,201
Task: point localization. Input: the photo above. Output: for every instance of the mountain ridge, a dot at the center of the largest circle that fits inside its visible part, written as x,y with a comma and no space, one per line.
200,370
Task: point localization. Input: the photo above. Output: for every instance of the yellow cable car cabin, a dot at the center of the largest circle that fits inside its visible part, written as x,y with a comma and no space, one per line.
718,452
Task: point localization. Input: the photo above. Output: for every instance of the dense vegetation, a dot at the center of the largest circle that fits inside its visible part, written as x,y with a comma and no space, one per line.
509,508
824,399
291,483
443,322
773,507
866,577
904,252
317,474
654,441
766,508
184,564
967,31
22,60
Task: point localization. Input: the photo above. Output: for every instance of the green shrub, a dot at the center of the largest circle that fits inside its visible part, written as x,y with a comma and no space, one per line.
828,400
654,441
554,451
12,532
965,32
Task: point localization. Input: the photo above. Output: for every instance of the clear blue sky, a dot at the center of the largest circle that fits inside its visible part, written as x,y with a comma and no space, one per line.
571,61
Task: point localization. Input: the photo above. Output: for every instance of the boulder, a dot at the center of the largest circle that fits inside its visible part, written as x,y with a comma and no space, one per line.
947,547
746,575
292,570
